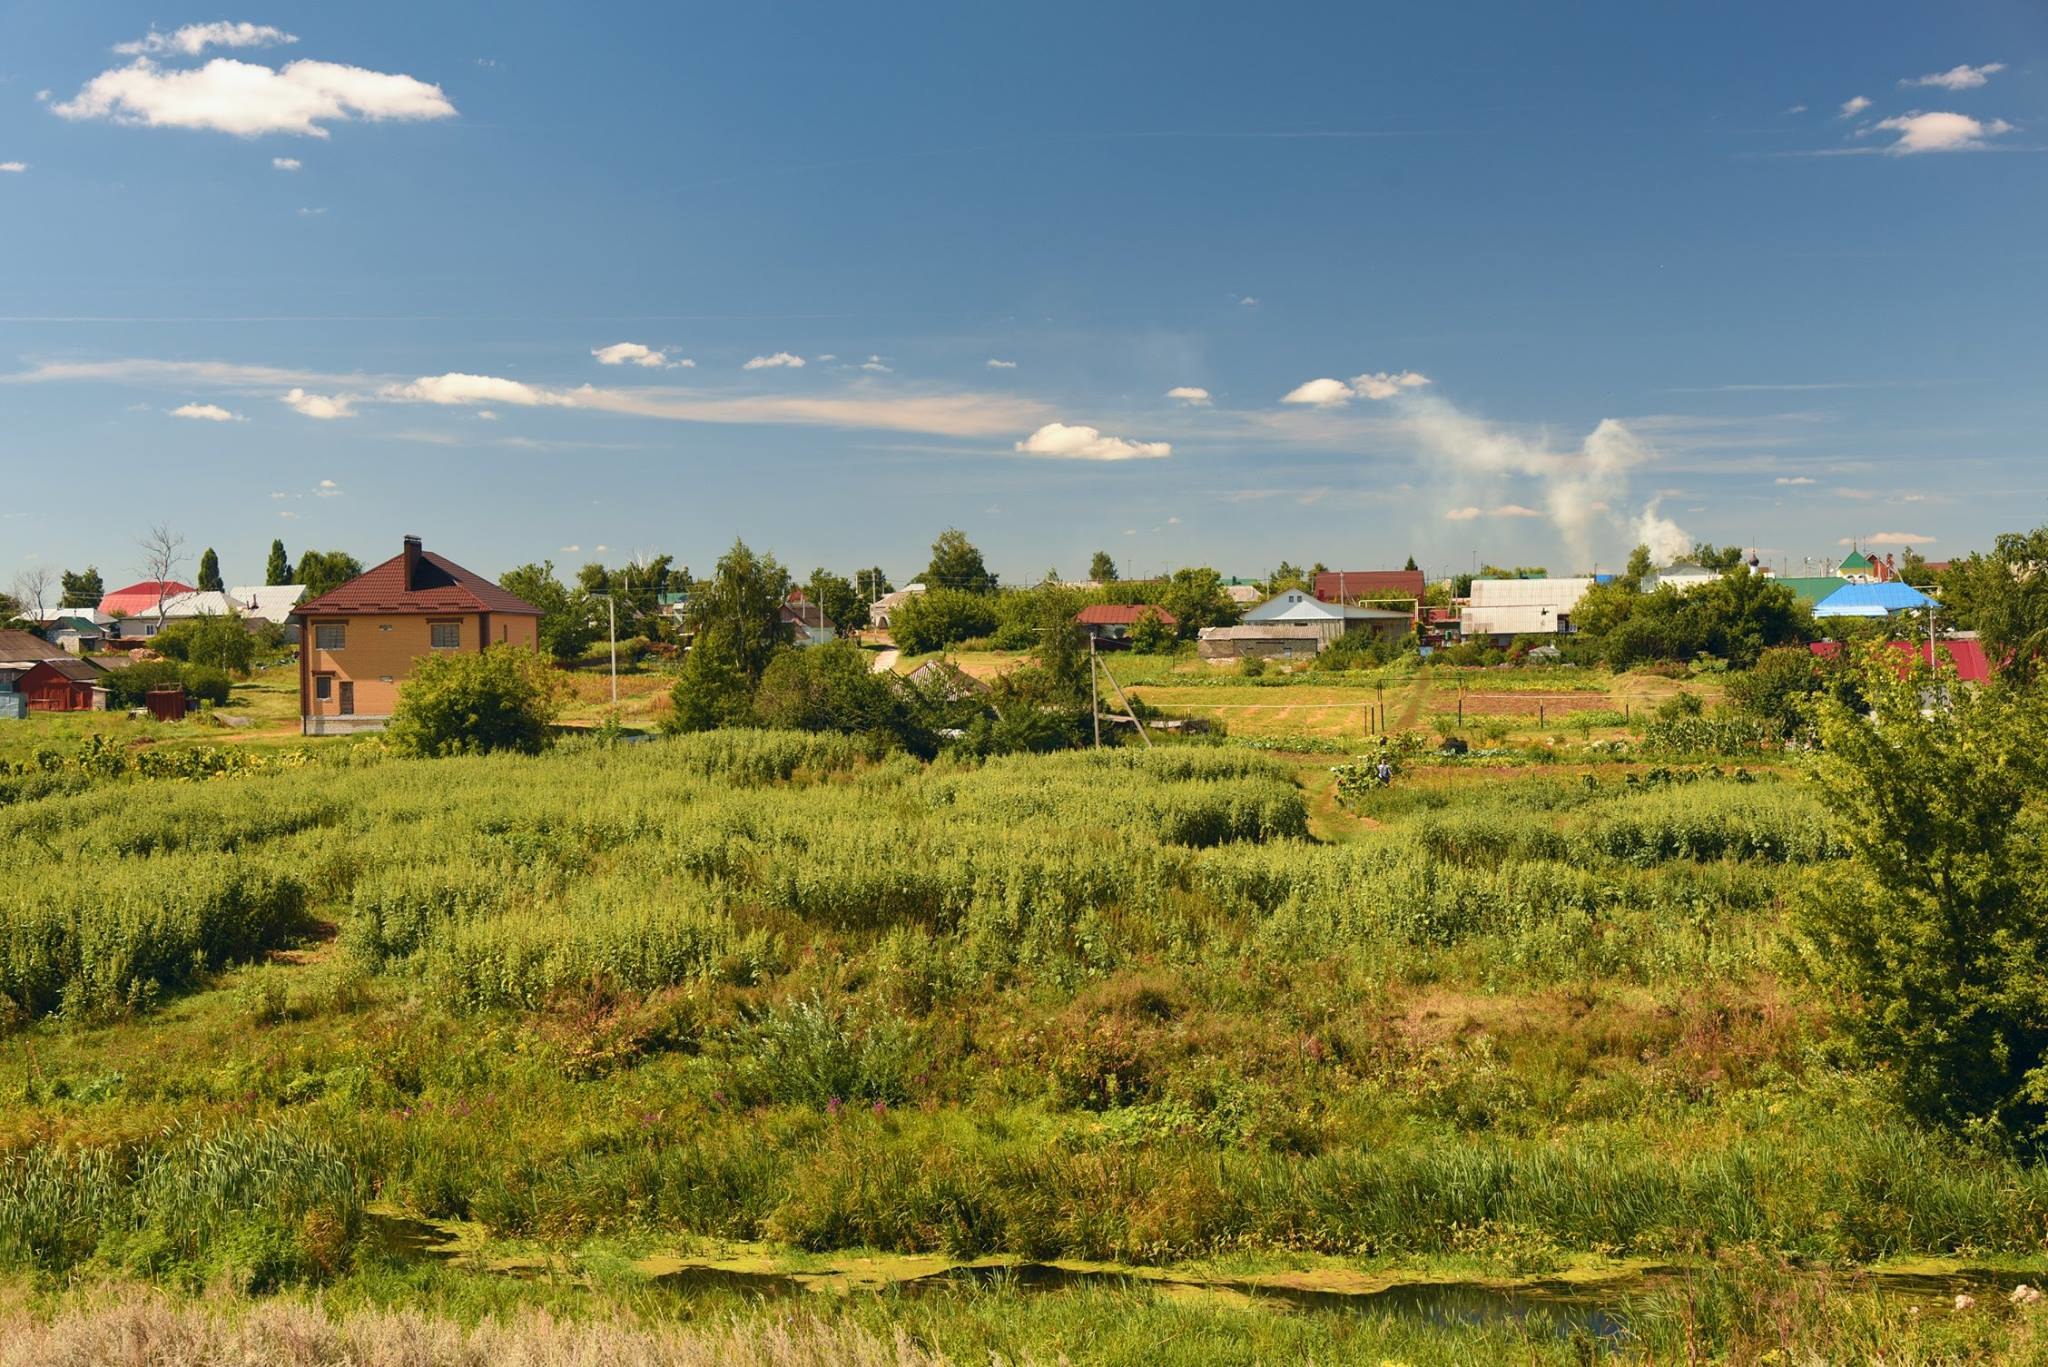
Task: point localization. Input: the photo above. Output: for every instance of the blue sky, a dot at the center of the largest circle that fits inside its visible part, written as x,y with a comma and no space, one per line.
1507,282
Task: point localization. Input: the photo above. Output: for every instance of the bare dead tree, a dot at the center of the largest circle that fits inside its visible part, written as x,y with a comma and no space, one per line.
32,589
162,553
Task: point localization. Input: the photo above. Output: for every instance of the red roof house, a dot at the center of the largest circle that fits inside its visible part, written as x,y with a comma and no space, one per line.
359,642
140,599
1968,657
1366,586
1113,621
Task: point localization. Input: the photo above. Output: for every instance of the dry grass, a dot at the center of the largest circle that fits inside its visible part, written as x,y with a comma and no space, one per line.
138,1329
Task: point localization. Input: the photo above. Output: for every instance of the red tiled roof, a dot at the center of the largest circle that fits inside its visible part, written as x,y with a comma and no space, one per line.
441,586
1122,615
141,597
1357,584
1968,657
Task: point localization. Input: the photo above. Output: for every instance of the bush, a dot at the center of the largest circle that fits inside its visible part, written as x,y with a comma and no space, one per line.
128,687
208,684
941,617
834,688
710,693
504,698
1776,692
220,642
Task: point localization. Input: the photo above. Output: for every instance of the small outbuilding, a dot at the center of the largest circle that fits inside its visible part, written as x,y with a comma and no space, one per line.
1260,640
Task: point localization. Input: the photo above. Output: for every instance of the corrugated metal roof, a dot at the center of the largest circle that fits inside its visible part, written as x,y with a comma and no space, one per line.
1810,588
1871,600
1263,631
1122,614
24,648
1971,664
140,597
1560,595
443,586
1350,585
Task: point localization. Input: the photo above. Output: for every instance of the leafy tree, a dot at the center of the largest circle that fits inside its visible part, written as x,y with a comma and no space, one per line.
1150,635
1778,690
956,564
871,583
1062,647
833,687
10,613
1518,572
737,613
324,571
221,641
504,697
1719,559
1913,569
1196,598
209,572
569,621
939,618
710,692
1285,576
278,569
2003,596
835,594
1101,568
1932,933
82,590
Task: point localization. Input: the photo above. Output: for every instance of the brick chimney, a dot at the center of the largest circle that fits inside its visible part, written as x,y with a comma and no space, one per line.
412,563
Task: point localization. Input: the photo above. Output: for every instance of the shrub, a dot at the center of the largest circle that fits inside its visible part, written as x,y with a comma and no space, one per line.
503,698
221,642
207,684
941,617
710,693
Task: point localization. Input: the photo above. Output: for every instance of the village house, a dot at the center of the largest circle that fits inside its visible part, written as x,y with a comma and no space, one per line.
1872,599
1370,586
806,622
1261,640
361,641
1682,575
881,609
1110,623
1330,619
1499,610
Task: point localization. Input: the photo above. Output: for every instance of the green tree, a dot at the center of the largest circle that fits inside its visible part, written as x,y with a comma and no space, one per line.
956,564
569,621
82,590
2003,597
209,572
221,641
938,618
1932,933
737,613
324,571
1778,690
709,692
504,697
1196,598
833,687
1411,565
835,594
1913,569
1101,568
1150,635
1286,576
1719,559
871,583
278,569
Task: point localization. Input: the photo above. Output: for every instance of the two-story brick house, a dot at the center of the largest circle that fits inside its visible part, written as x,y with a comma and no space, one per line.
359,642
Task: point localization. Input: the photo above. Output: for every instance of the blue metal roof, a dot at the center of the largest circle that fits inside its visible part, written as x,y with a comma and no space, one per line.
1871,600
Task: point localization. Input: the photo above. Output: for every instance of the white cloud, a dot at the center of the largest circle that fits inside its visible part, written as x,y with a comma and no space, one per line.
1173,521
633,353
1472,511
1064,442
779,359
327,488
1854,105
1797,109
1889,539
1323,393
246,99
323,406
1382,385
827,356
1248,302
286,163
1959,77
311,213
1941,132
13,167
875,364
569,550
1793,479
457,388
1666,539
486,415
193,39
205,412
994,364
1192,395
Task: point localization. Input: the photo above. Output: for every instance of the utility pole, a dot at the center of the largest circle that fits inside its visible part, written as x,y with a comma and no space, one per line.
612,617
1094,696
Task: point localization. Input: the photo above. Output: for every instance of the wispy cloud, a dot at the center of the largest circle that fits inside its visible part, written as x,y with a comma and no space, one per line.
1329,393
1854,105
1888,539
875,365
636,353
1472,512
1958,77
205,412
13,167
994,364
327,488
1073,442
1793,480
286,164
325,407
193,39
248,100
1194,396
780,360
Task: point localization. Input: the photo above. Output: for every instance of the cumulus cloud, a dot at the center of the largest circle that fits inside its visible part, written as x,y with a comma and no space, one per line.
286,163
994,364
779,359
456,388
1064,442
1941,132
1472,512
1329,393
876,365
1793,479
325,407
1958,77
634,353
247,99
1666,539
205,412
13,167
193,39
1579,486
1192,395
327,488
1854,105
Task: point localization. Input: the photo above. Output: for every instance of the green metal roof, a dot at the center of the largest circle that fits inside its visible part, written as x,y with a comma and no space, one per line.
1857,561
1812,588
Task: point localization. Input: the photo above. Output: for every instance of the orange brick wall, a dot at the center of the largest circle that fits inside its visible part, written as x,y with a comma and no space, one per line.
381,648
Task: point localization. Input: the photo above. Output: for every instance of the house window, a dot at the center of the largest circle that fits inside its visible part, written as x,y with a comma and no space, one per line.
444,635
330,636
323,686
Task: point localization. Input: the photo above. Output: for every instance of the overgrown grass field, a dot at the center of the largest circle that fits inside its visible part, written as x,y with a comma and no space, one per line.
1137,1008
